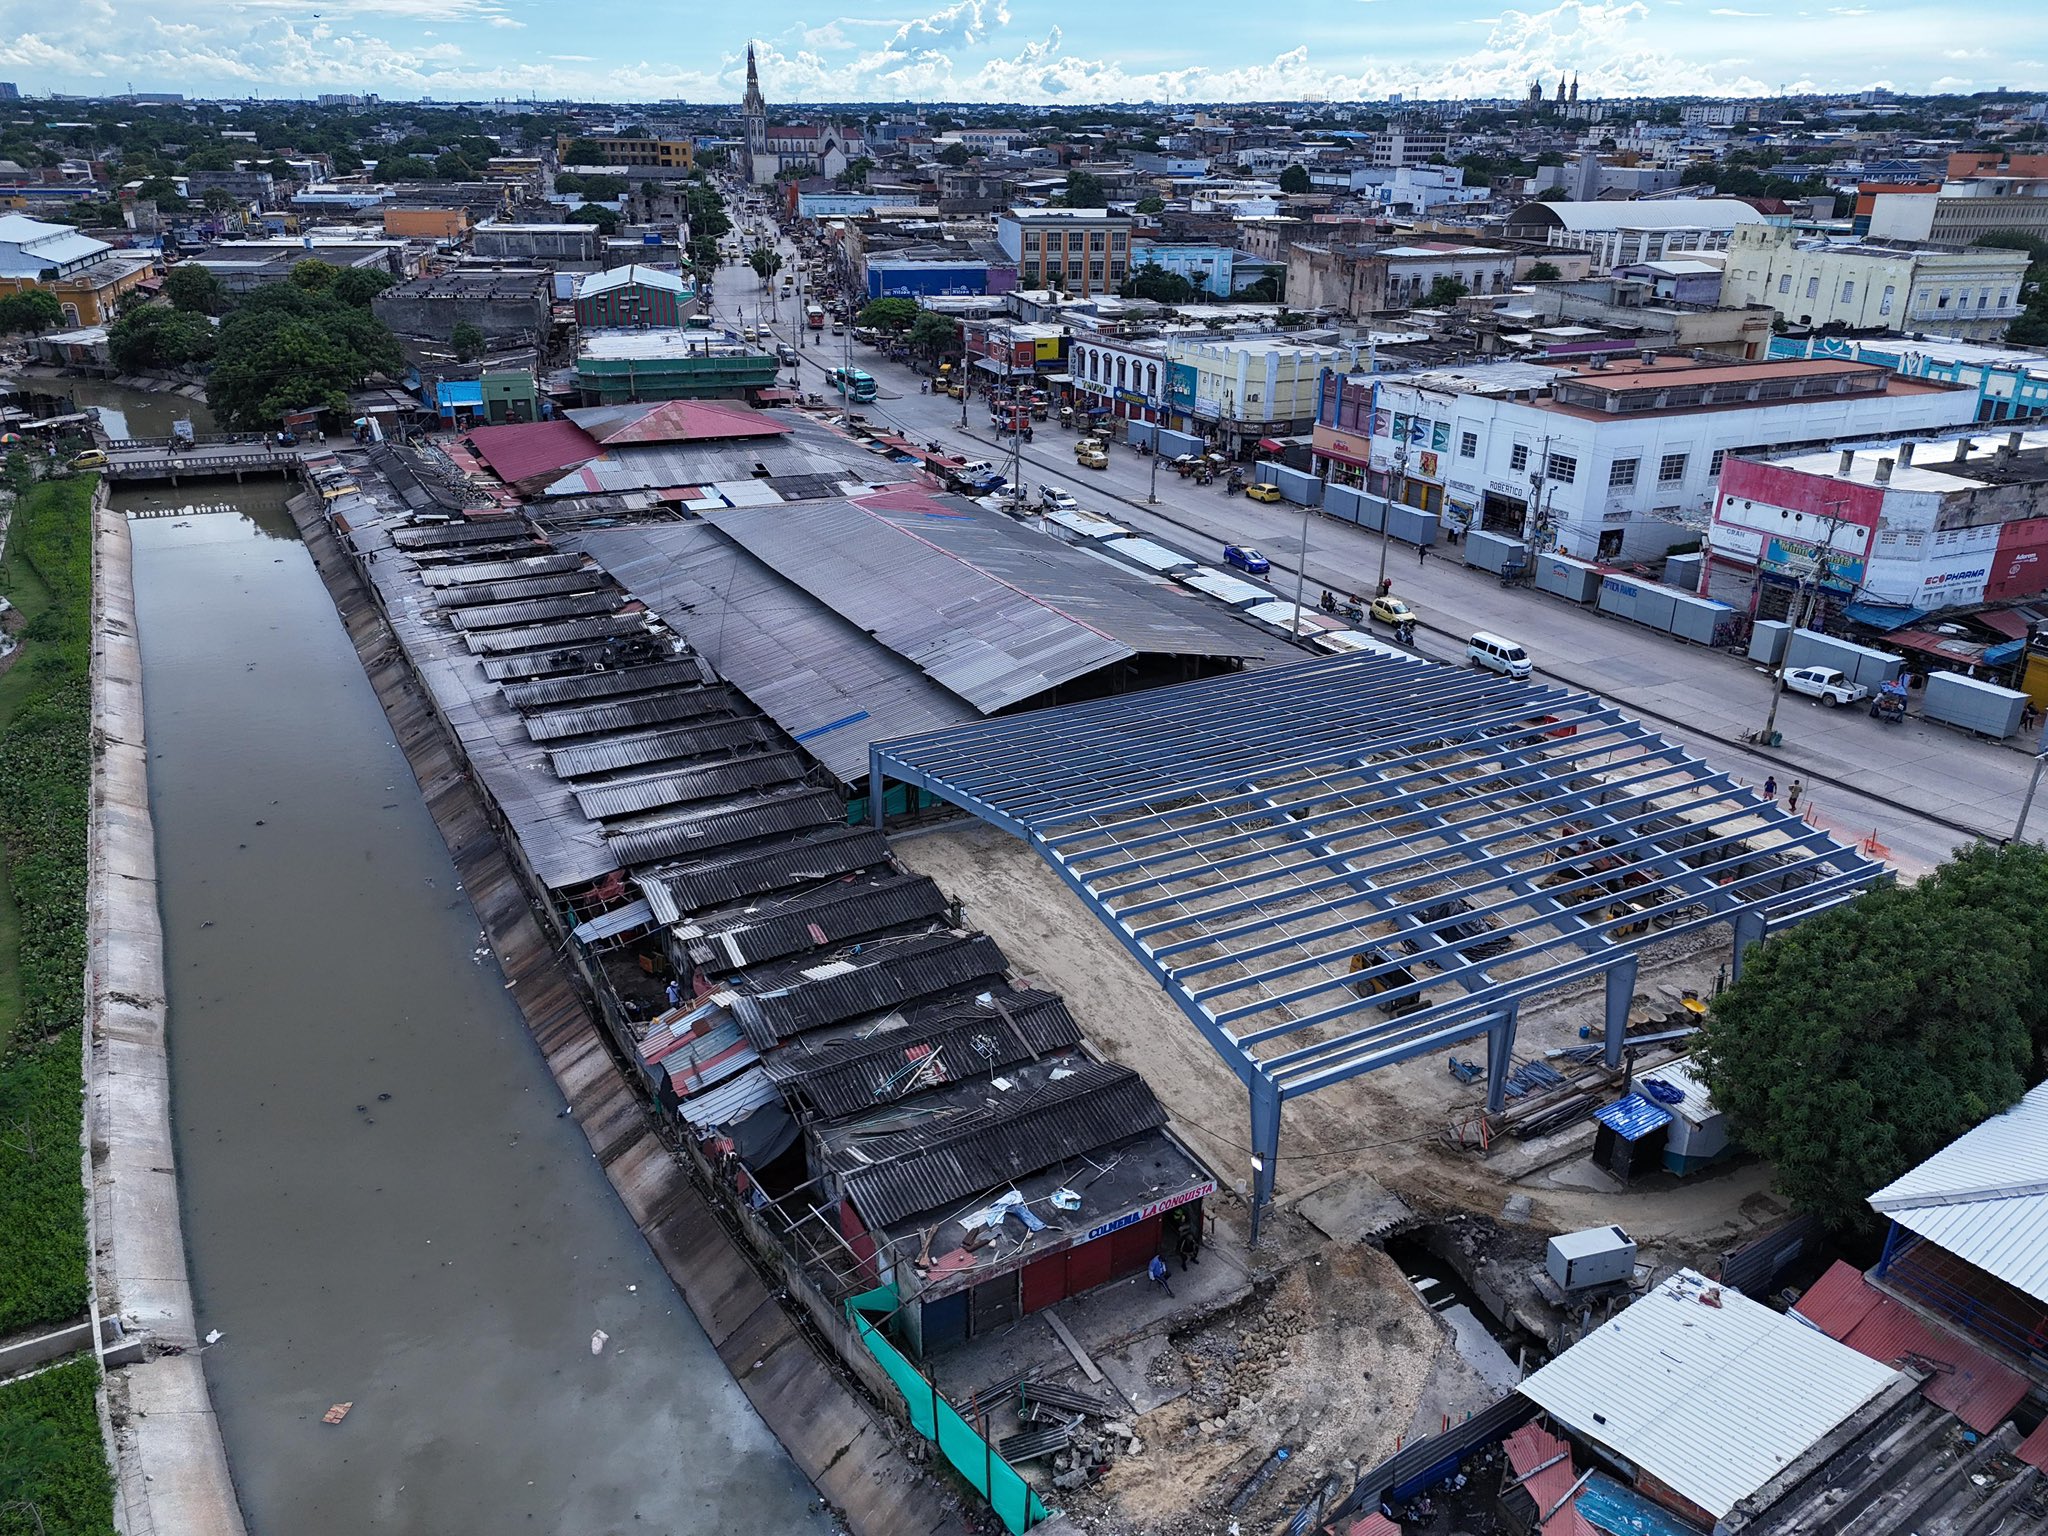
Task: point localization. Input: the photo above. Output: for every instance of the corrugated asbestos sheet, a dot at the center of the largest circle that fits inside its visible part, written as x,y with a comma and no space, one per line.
597,719
986,639
920,968
676,893
924,1170
500,570
454,535
532,664
629,797
660,747
505,615
687,836
684,672
567,632
954,1042
825,683
521,589
776,930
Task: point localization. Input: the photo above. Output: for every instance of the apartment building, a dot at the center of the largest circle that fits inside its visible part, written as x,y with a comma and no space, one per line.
1079,250
1972,293
652,154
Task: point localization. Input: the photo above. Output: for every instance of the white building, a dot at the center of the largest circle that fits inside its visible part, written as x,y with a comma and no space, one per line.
1623,234
1240,387
1964,211
1972,294
1606,461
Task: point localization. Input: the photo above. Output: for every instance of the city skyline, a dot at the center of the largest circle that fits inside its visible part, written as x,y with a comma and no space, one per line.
1027,51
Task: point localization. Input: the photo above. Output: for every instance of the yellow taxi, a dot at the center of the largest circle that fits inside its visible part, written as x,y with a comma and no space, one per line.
1263,492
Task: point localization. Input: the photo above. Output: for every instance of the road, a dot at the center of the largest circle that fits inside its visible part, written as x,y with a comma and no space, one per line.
1921,790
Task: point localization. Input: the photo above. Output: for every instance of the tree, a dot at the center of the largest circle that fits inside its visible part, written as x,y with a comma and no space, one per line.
765,261
454,167
953,154
1294,180
888,314
1152,281
1085,191
195,290
156,336
467,341
1544,272
301,345
218,200
583,152
933,334
162,191
1553,195
1443,293
30,311
1864,1040
856,173
1151,202
606,221
405,168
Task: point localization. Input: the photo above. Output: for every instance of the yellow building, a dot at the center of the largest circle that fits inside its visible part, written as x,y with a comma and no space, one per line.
426,223
88,277
663,154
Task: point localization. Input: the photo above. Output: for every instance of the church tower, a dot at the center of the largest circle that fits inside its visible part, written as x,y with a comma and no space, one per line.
1560,90
1575,88
754,122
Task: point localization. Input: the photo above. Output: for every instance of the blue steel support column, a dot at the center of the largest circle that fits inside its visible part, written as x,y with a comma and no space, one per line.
1621,989
1749,929
1265,1144
1500,1058
875,813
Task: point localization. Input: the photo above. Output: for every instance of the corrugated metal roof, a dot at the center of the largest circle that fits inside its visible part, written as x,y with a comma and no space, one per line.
596,719
683,672
521,588
1155,557
879,978
499,570
793,925
575,631
1969,1383
1633,1118
506,615
2034,1449
1233,590
726,826
530,449
629,797
607,925
801,861
731,1100
483,530
928,1168
1984,1196
823,681
1531,1447
1697,1103
957,1042
1714,1400
704,739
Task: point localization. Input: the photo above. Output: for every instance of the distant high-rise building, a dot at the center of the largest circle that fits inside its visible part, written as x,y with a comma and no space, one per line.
9,91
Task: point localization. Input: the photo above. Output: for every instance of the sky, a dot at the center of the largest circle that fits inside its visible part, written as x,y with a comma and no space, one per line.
1032,51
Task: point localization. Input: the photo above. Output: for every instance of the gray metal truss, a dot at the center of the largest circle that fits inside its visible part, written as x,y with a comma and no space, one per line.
1250,839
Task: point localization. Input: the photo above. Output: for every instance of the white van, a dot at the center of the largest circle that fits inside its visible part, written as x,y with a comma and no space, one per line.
1497,655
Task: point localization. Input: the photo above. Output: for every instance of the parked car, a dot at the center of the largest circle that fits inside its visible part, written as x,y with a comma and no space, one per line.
1263,492
92,458
1250,561
1826,684
1053,499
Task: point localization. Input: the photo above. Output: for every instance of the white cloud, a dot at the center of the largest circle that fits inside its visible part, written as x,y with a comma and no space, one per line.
1721,10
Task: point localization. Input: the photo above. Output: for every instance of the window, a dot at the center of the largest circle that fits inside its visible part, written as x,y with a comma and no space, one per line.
1884,304
1945,295
1564,467
1519,459
1848,291
1714,464
1813,287
1095,270
1095,241
1671,469
1621,474
2005,298
1785,283
1116,242
1031,240
1984,299
1468,445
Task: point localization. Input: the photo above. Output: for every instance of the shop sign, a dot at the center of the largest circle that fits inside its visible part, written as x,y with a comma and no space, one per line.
1146,1212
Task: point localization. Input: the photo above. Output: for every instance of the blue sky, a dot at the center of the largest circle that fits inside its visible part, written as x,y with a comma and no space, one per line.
1016,50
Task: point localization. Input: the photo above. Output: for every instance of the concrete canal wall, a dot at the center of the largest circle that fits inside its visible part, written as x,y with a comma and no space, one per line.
171,1471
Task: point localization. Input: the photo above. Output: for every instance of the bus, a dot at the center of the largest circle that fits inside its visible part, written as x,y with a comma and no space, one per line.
854,383
815,317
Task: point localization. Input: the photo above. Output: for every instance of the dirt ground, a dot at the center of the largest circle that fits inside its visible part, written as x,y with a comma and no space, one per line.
1327,1360
1387,1124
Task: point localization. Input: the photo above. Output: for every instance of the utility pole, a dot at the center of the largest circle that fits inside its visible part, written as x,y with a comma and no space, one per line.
1808,597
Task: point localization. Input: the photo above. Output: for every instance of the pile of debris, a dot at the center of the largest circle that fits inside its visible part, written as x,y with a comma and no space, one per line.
1056,1425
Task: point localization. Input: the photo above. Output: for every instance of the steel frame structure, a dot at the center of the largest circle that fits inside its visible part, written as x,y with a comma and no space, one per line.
1290,851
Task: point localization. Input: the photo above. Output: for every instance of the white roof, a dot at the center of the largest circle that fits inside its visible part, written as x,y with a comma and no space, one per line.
1225,588
1984,1196
1715,1400
1698,1104
620,277
1660,213
1154,556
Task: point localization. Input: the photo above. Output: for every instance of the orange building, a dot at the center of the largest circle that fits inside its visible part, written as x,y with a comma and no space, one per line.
1990,162
426,223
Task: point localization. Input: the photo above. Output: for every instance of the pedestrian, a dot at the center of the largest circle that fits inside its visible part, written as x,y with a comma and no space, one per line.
1190,1245
675,992
1421,553
1157,1270
1792,792
1771,787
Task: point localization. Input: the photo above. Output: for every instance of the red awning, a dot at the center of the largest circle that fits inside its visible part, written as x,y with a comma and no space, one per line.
2003,621
1272,445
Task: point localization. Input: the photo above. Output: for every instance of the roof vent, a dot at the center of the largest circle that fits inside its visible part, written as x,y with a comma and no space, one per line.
1905,453
1884,471
1848,461
1964,448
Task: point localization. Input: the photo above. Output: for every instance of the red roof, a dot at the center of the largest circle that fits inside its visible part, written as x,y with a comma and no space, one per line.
2034,1449
1374,1524
1967,1382
1530,1447
693,421
528,450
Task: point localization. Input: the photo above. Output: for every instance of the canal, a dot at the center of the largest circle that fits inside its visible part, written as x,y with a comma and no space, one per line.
128,412
383,1203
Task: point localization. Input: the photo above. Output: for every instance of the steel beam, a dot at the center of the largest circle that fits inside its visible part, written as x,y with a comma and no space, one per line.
1265,1102
1621,989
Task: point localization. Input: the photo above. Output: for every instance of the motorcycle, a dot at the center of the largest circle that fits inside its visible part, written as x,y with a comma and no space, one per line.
1404,632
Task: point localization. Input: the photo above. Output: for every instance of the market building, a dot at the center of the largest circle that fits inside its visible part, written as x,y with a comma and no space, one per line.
88,278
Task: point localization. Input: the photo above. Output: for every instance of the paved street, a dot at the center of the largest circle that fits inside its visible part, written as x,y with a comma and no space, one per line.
1922,789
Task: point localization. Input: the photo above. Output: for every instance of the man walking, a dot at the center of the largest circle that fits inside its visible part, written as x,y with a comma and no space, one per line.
1792,792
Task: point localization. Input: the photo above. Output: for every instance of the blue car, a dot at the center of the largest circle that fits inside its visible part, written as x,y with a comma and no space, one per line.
1250,561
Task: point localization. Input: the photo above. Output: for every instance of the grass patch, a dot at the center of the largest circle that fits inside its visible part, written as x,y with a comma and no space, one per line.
45,765
53,1472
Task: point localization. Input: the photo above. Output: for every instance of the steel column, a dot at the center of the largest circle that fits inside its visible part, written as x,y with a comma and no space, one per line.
875,791
1500,1058
1621,988
1265,1095
1751,927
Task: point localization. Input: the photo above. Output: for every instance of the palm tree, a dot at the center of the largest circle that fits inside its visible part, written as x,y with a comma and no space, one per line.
765,262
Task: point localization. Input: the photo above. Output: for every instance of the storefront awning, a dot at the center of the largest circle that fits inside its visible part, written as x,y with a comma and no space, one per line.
1881,616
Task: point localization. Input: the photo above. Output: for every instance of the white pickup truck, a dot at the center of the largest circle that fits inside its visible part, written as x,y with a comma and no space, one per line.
1826,684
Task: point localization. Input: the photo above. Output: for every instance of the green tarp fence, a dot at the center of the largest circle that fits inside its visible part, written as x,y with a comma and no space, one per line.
933,1417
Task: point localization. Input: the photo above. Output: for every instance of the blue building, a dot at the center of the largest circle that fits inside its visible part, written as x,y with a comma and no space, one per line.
913,278
1210,267
2011,384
